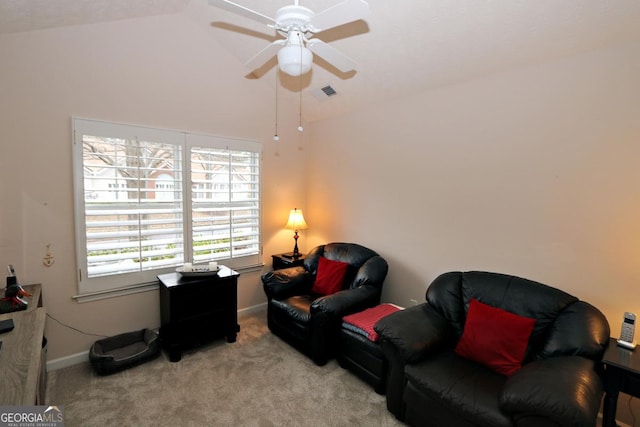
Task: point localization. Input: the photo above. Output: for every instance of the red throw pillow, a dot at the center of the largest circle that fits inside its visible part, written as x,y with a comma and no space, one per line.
329,277
495,338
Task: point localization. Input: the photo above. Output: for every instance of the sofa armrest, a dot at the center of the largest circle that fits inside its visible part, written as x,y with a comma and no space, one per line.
327,311
326,318
347,301
286,282
372,272
408,336
415,332
566,390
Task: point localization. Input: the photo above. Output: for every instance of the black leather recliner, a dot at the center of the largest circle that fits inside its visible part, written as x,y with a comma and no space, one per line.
559,384
311,322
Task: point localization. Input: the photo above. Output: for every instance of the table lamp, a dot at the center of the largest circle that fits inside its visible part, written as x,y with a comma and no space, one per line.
296,222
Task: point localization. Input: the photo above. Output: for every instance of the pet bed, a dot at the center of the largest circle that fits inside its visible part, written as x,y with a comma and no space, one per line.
113,354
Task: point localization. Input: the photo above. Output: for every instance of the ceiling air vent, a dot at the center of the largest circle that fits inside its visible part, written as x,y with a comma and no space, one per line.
324,93
329,91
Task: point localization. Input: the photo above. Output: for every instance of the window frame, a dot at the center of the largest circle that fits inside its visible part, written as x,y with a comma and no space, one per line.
90,288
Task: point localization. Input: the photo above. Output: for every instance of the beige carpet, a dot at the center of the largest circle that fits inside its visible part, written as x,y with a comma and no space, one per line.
257,381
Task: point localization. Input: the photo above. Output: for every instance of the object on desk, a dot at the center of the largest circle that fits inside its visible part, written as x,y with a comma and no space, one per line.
11,304
627,331
199,270
13,295
11,278
23,293
627,345
6,325
13,299
16,290
13,287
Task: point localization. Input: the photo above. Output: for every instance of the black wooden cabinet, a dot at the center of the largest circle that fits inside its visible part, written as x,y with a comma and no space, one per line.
621,374
195,310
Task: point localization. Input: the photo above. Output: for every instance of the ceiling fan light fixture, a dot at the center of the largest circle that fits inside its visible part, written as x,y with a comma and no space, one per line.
299,25
295,59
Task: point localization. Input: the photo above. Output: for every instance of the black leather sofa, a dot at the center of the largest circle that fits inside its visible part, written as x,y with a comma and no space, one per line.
311,322
429,384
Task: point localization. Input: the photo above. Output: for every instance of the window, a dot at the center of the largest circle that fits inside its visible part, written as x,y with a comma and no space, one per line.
148,200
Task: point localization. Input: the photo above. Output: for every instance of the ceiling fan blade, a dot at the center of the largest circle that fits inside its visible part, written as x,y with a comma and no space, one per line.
265,54
331,55
242,10
341,13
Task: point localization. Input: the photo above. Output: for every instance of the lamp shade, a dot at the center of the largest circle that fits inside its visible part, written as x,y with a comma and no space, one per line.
295,59
296,220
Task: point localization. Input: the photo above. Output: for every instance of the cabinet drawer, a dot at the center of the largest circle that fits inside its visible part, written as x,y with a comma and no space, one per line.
204,299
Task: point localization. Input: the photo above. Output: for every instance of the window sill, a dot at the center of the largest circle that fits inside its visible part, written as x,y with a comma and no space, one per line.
142,287
113,293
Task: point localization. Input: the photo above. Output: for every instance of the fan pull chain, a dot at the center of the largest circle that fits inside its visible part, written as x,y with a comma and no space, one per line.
300,128
275,135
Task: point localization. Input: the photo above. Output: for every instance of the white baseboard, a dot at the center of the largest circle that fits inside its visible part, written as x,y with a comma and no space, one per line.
252,310
76,359
618,423
66,361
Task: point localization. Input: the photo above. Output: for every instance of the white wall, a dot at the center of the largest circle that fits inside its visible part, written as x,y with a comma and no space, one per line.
531,172
165,72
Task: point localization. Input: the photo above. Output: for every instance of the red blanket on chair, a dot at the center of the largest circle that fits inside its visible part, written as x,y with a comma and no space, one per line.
362,323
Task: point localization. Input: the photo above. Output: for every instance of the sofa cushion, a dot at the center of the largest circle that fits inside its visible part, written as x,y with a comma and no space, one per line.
449,383
297,308
330,276
495,338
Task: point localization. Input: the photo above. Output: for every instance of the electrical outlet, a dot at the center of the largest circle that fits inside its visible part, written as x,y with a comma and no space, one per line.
413,301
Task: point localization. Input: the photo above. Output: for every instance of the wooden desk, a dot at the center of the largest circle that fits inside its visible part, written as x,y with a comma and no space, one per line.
22,365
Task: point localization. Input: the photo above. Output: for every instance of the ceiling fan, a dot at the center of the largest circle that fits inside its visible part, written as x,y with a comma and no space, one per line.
298,24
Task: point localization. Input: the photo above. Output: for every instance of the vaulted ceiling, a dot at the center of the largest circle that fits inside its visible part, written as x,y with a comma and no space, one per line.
404,47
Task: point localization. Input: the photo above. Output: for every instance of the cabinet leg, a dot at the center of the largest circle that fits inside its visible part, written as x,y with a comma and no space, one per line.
231,336
175,354
609,409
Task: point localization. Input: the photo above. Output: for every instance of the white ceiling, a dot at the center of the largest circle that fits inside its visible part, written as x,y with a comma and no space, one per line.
405,46
27,15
